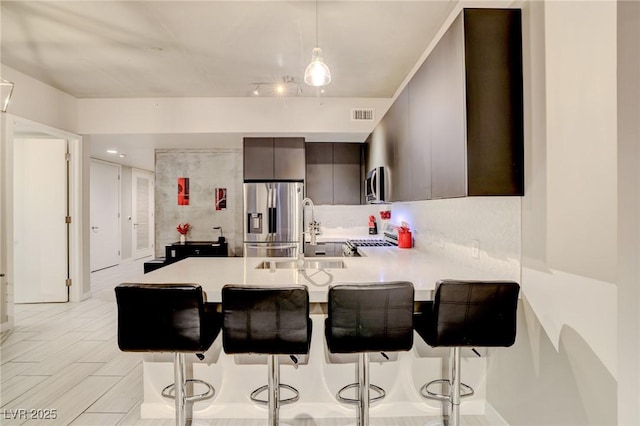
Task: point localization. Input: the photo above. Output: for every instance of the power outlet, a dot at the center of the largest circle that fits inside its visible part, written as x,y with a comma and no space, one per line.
475,249
440,240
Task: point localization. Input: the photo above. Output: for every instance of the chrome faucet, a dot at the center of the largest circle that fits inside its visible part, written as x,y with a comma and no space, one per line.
313,229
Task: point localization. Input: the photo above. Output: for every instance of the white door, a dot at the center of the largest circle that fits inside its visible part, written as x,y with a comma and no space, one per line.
105,215
40,237
4,306
142,208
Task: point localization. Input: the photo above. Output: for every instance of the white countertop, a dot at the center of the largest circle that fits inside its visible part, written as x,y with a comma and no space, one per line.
377,265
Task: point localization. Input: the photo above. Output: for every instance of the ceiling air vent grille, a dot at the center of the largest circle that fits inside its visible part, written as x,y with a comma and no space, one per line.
362,114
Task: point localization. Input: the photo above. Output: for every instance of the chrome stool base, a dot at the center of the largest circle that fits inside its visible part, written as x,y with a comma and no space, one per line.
466,390
169,391
356,401
456,388
178,393
294,398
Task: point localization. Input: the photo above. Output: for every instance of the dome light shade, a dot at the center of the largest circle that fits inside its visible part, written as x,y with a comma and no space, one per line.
317,72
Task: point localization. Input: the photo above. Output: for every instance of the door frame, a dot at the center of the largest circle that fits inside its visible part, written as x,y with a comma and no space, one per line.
78,261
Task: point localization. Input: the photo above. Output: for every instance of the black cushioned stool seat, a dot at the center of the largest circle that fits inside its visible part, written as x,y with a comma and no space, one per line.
364,318
466,314
168,318
267,320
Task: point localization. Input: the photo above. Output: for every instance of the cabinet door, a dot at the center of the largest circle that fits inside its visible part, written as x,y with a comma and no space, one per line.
289,163
398,134
319,179
347,173
258,158
447,129
495,129
419,144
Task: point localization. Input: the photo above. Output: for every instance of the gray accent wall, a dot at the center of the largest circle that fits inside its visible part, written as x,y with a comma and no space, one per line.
206,169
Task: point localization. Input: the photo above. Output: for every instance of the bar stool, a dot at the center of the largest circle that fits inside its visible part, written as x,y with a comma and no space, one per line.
168,318
466,314
267,320
364,318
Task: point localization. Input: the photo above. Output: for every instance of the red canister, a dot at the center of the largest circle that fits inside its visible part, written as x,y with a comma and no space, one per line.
404,238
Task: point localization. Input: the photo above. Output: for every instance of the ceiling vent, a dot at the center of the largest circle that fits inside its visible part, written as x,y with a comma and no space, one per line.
362,114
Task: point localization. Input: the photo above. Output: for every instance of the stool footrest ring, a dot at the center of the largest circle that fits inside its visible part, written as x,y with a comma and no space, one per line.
294,398
169,391
465,390
378,389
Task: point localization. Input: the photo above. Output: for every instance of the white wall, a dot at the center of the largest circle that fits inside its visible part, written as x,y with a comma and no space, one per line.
564,366
41,103
628,212
228,115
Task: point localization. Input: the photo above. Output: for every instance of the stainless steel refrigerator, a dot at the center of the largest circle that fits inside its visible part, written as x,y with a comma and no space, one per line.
272,218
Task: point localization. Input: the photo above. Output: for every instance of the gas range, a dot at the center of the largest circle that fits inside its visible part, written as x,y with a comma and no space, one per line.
350,247
371,243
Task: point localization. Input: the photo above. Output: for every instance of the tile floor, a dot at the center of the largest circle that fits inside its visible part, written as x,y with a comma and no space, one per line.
64,357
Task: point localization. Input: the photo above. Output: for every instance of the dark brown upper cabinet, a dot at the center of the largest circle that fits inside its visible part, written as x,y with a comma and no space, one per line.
458,129
334,173
274,159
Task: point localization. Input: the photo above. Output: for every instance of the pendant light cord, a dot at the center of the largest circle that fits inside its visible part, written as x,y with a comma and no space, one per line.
316,23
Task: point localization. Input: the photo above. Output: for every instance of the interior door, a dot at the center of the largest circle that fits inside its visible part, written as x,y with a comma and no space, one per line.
105,215
4,310
40,239
142,207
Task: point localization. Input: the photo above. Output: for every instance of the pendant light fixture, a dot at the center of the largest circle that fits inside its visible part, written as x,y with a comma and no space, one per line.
317,73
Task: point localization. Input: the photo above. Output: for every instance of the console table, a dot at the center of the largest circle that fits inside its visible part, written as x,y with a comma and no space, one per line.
179,251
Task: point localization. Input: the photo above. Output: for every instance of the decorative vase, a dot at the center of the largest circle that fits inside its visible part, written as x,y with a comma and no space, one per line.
183,238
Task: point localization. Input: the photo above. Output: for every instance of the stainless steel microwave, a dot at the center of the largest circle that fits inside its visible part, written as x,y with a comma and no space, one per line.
374,186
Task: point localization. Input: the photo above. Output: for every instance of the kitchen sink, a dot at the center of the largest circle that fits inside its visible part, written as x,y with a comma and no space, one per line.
307,264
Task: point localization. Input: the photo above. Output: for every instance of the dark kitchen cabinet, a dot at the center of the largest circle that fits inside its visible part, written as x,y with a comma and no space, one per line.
445,114
319,182
419,159
347,173
397,132
274,159
464,110
494,101
334,172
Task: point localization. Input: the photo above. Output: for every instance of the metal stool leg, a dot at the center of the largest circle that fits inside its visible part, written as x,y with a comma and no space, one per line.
178,389
455,392
274,389
454,389
178,375
363,389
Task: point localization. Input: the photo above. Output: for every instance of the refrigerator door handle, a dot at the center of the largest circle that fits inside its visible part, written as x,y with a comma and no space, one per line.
271,210
274,246
273,225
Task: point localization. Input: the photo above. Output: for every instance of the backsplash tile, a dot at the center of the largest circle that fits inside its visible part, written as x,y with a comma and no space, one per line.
446,228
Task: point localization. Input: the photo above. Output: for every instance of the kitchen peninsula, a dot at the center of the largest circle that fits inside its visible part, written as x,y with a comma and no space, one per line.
320,374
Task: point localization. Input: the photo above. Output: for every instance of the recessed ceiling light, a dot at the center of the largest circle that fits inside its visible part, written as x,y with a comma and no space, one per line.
122,155
112,151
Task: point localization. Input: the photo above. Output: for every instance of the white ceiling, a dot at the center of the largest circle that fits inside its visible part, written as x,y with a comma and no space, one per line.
138,49
131,49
